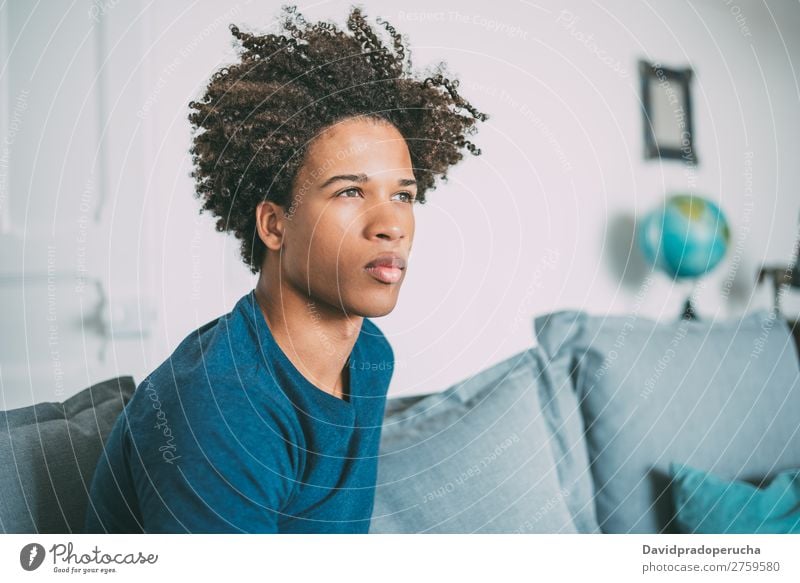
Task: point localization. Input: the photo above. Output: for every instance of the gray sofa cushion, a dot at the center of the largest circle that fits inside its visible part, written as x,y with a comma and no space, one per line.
48,454
476,457
721,396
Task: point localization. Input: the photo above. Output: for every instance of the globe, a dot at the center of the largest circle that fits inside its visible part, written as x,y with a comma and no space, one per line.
686,238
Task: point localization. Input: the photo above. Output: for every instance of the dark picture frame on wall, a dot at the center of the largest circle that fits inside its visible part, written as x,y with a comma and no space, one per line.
667,112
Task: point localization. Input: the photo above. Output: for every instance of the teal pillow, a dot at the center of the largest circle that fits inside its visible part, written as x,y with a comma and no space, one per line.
707,504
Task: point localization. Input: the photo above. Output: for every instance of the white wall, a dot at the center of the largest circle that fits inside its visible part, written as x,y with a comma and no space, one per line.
541,220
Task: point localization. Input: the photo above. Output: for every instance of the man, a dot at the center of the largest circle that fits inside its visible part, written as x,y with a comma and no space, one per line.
313,151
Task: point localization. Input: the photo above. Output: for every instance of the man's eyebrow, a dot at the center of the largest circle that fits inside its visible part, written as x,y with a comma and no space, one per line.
362,178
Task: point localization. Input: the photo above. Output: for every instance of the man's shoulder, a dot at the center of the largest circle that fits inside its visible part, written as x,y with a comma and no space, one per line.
214,383
227,337
220,347
205,406
217,370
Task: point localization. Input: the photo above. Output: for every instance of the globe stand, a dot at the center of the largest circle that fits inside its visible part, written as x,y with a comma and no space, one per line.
689,313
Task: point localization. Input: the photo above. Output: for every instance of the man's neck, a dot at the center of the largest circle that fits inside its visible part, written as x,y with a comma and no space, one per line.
316,339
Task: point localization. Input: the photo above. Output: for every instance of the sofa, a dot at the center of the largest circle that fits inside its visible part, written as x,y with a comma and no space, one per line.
602,425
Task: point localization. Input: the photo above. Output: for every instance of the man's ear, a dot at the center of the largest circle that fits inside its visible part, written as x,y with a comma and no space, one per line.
270,222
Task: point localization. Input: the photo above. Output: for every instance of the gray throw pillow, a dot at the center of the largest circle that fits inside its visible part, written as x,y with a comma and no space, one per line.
568,440
474,458
722,396
48,454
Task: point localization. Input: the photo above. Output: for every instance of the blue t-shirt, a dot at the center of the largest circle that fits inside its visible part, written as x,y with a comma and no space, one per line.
227,436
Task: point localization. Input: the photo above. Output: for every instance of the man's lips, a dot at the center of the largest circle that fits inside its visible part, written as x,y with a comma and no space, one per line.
386,268
388,260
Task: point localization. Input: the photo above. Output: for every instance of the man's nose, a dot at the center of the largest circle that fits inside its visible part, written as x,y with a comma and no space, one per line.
387,222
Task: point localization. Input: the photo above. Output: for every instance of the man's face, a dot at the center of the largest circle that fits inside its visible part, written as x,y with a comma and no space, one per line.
337,226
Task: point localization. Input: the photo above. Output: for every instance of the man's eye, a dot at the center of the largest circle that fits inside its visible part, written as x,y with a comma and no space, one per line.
348,190
408,197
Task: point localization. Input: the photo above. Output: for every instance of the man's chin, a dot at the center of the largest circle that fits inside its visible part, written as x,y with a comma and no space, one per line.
373,309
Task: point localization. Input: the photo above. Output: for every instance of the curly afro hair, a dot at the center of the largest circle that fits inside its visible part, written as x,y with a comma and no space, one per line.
253,125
